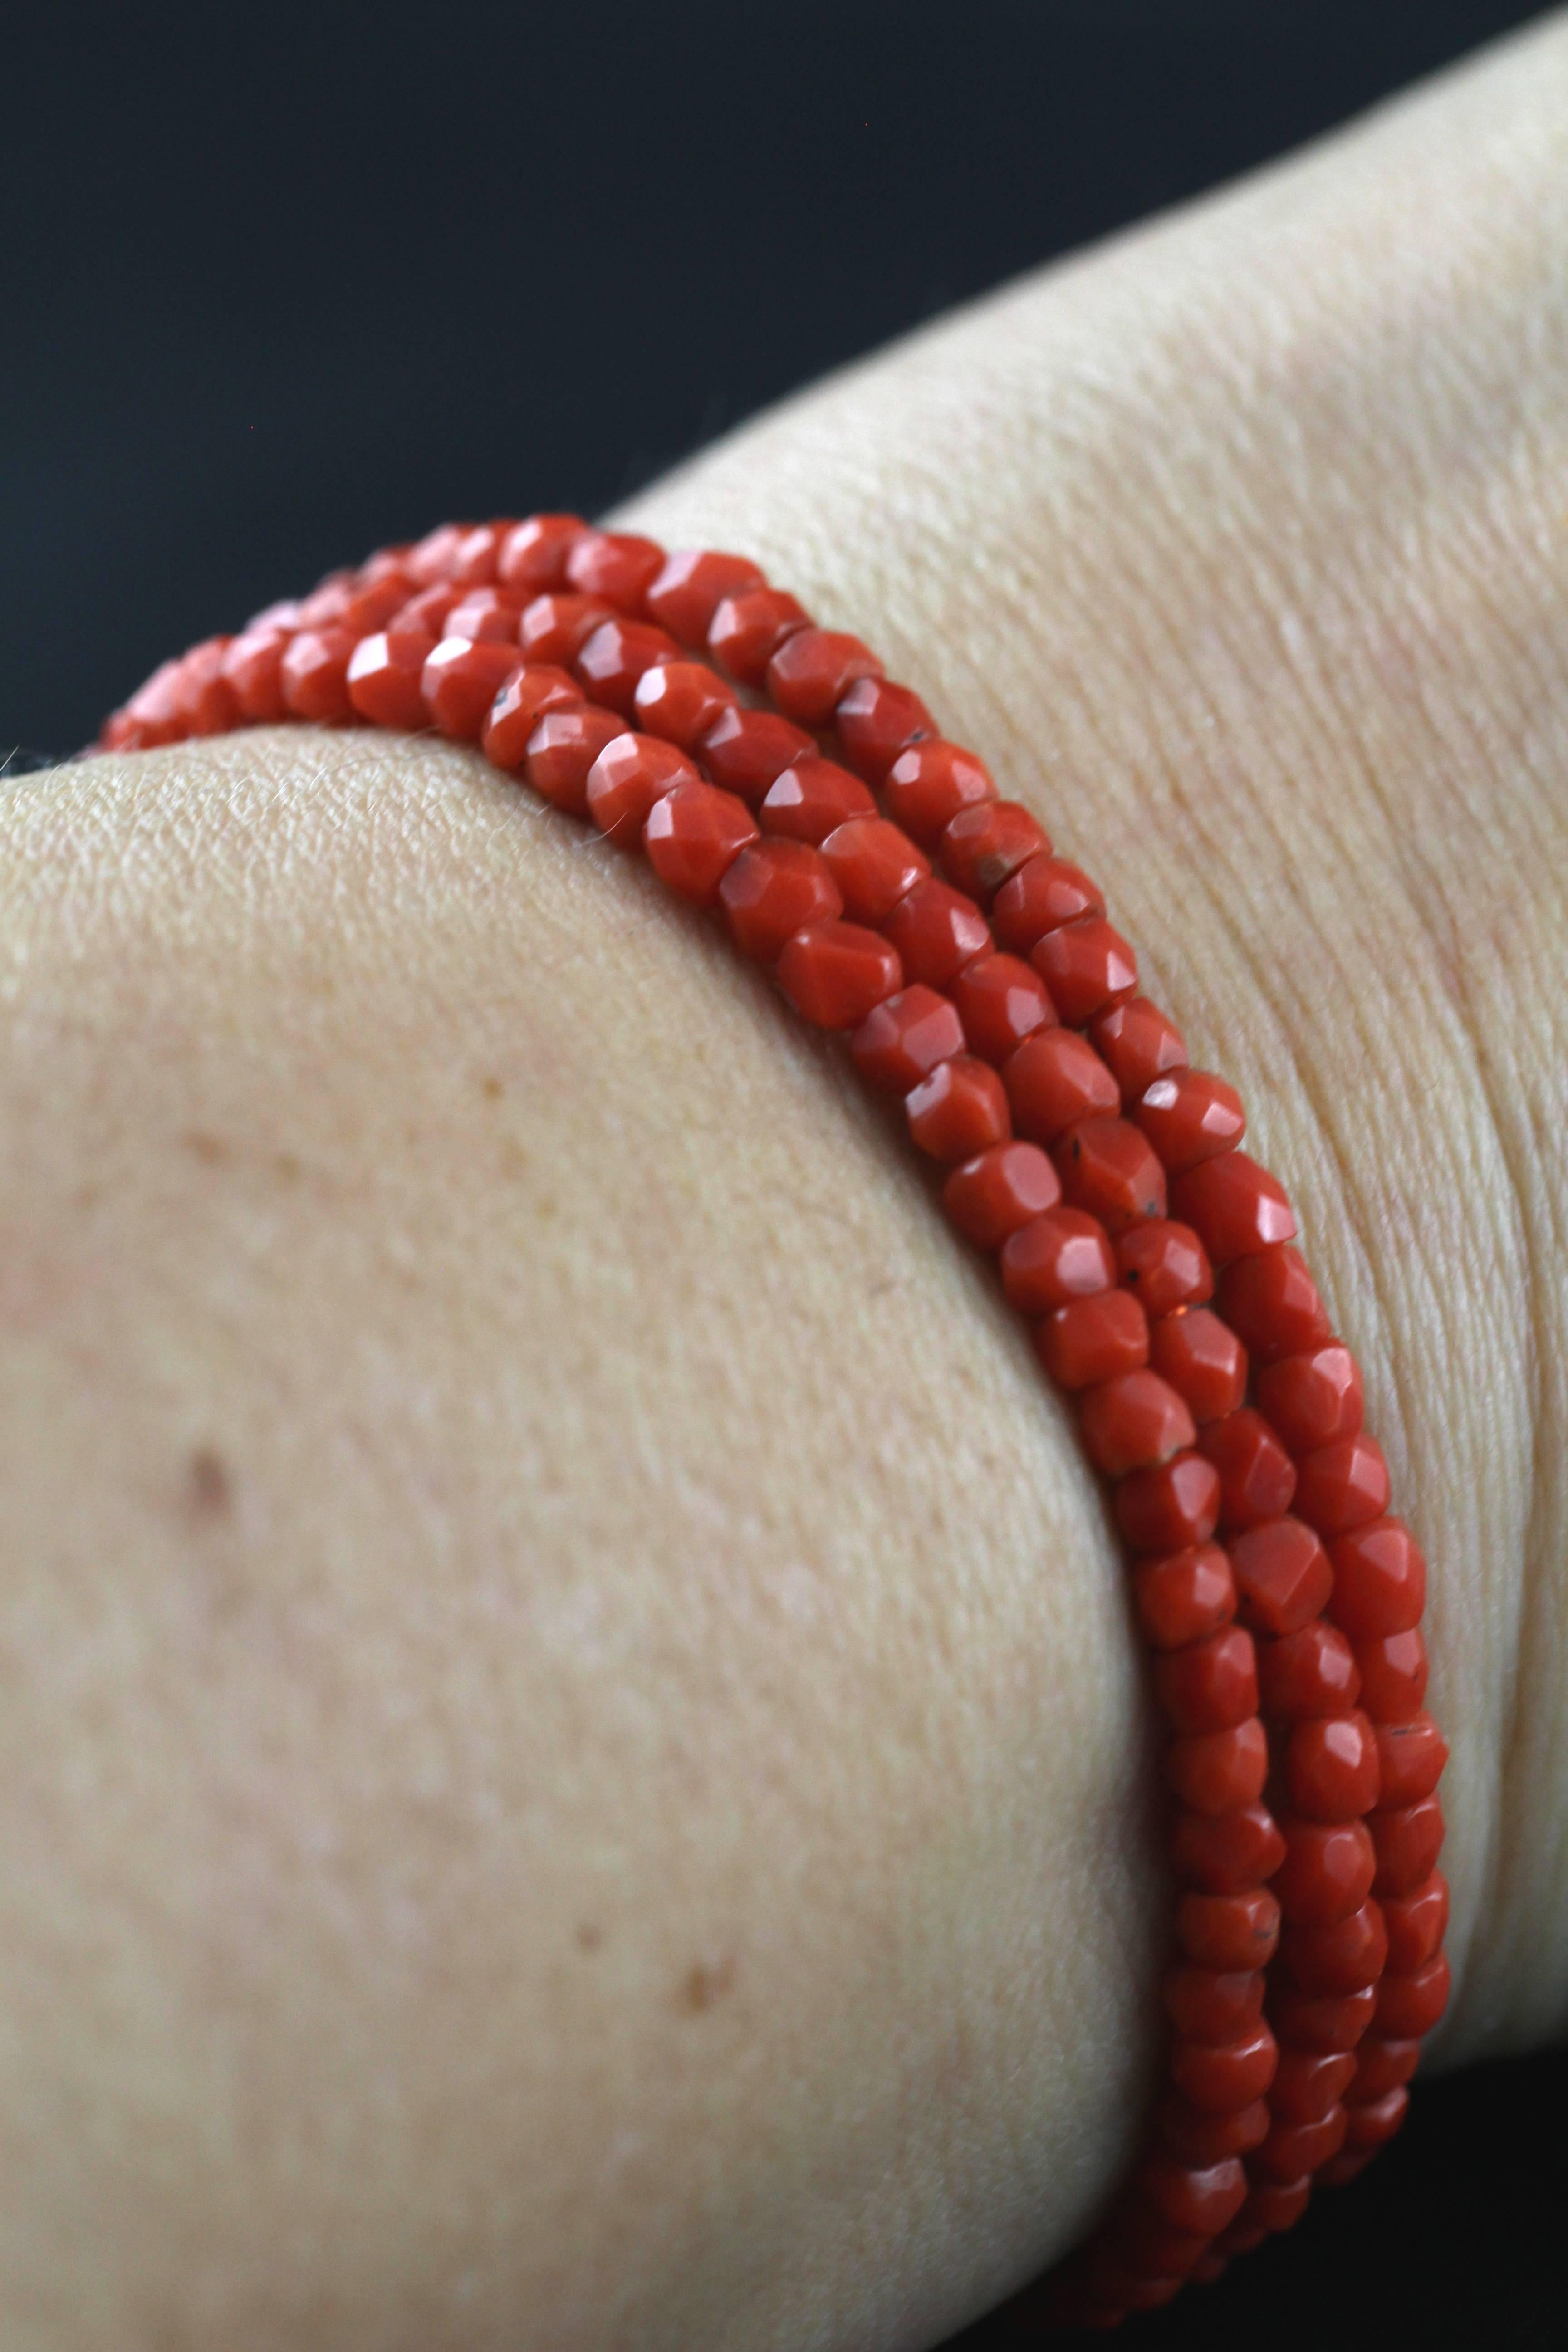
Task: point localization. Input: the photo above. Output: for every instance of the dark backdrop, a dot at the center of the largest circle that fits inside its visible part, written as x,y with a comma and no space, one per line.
278,284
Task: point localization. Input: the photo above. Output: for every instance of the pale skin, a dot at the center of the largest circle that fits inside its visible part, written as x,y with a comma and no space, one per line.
574,1768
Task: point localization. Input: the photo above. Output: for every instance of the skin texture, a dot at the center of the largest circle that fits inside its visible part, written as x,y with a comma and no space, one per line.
573,1767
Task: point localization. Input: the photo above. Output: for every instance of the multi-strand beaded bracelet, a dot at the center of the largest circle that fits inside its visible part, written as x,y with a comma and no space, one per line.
975,974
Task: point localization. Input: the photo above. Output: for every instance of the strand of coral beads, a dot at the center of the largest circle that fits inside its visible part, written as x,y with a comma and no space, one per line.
772,773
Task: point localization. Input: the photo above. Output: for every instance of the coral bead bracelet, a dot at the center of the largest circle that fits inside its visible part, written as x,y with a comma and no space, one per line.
771,773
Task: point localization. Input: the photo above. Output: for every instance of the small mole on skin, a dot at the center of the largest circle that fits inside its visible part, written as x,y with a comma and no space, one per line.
210,1487
288,1167
589,1937
706,1982
207,1149
491,1087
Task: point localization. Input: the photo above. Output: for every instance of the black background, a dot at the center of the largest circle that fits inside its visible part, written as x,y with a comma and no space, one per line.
278,284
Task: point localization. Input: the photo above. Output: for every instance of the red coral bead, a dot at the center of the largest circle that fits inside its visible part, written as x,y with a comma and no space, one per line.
460,681
1327,1872
1393,1671
487,615
382,679
746,750
691,585
556,628
1109,1168
1133,1423
811,799
1204,1362
1053,1079
1189,1115
901,1041
1001,1002
1407,1840
1212,1684
1043,894
1218,1771
1165,1263
1312,1398
1184,1596
833,973
1229,1931
1000,1189
1199,2199
1410,2003
812,669
1331,1766
1138,1042
1282,1576
533,556
1375,2124
629,775
681,700
612,661
1293,2151
985,844
929,783
875,721
1257,1477
1058,1255
435,556
693,835
524,698
1342,1485
1272,1301
1411,1757
152,718
959,1110
1200,2139
1380,1579
203,697
774,890
874,864
1165,1508
1339,1956
618,565
1093,1340
749,626
1236,1206
1383,2065
936,931
1221,2080
1224,1853
429,610
313,676
1088,967
252,663
477,552
1416,1924
1309,2084
1323,2023
1312,1673
561,752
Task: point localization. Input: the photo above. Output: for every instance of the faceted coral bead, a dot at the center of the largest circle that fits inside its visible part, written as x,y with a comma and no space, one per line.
1375,2122
1411,1757
1088,967
1416,1924
429,610
929,783
522,701
681,700
618,565
1325,2023
313,676
433,557
1292,2152
1058,1255
1132,1422
1257,1477
834,973
1140,1043
460,681
998,1191
1410,2003
1308,2083
382,679
1272,1301
1312,1673
203,697
1001,1001
1407,1840
748,628
811,799
532,555
1342,1485
876,720
1312,1398
1053,1079
901,1041
774,890
1327,1872
1218,1771
986,843
487,615
691,585
810,671
1201,2198
613,660
1380,1579
556,628
1224,2078
1109,1168
959,1110
1343,1956
1330,1768
1185,1596
1199,2139
252,663
1204,1362
1282,1575
1165,1508
693,835
1093,1340
1381,2064
936,931
1209,1685
151,719
1165,1263
561,754
630,773
745,750
1228,1931
1043,894
1189,1115
874,864
1393,1670
1236,1206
